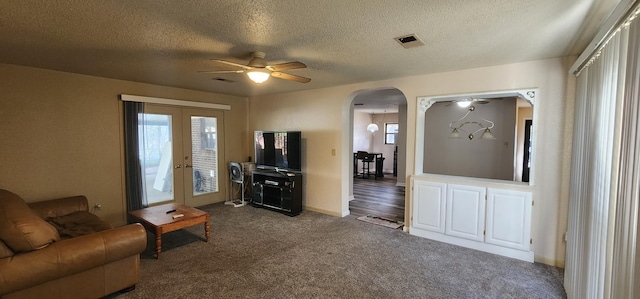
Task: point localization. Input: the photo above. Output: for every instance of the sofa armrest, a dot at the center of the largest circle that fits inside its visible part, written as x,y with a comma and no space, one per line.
70,256
61,206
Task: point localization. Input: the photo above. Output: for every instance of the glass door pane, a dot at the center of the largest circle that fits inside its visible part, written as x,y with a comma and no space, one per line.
155,140
206,177
204,154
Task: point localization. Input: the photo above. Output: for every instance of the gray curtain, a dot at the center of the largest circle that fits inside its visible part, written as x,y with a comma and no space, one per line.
136,198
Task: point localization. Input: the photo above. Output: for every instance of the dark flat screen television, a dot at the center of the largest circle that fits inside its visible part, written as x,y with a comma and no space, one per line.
278,150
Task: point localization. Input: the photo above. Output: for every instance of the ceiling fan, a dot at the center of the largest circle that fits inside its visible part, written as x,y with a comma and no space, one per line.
464,103
259,71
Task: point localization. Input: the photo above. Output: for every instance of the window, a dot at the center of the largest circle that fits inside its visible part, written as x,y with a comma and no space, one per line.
390,132
207,129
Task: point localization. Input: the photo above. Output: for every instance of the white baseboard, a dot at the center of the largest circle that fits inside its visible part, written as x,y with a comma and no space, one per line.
398,184
526,256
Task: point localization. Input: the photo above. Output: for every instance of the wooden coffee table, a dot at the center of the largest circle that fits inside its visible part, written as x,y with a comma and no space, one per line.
159,220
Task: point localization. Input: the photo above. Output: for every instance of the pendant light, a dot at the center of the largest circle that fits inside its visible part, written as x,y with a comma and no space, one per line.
372,127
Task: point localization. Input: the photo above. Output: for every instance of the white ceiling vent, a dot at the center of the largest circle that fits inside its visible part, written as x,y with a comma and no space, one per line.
409,41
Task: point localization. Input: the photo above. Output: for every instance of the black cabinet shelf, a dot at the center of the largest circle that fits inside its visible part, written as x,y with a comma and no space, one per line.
278,191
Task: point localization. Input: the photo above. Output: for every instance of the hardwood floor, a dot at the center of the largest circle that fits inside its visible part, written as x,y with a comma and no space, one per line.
379,197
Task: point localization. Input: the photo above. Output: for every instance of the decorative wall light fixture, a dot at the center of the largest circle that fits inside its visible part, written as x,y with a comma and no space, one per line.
486,128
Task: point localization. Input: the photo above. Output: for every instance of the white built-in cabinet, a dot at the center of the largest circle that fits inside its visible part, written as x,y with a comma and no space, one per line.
509,218
494,220
429,206
465,212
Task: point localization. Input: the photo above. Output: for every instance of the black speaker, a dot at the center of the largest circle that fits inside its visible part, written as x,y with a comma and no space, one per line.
235,172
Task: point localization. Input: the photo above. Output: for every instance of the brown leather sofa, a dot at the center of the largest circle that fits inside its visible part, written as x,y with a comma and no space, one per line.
58,249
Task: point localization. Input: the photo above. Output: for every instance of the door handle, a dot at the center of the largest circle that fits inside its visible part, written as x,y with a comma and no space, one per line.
188,166
178,166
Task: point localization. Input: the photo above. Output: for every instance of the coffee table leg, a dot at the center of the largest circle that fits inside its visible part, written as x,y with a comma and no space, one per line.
158,243
207,228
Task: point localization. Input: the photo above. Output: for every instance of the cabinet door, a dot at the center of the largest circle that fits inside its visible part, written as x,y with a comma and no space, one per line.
429,205
285,195
509,218
256,197
465,212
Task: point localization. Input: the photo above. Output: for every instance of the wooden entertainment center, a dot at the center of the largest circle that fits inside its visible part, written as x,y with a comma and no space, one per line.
279,191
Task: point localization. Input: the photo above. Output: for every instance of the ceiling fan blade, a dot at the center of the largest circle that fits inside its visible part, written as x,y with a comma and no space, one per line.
290,77
221,72
246,67
287,66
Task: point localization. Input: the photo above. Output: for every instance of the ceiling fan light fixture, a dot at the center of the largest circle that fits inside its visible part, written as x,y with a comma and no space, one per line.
258,70
257,60
258,76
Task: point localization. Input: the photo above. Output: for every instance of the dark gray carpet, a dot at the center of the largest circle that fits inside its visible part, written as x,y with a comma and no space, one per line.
257,253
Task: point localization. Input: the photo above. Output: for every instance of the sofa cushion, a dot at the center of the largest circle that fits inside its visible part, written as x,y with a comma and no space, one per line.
78,224
5,251
20,227
60,206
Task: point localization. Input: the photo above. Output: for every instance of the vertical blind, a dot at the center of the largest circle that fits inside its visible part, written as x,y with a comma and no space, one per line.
605,179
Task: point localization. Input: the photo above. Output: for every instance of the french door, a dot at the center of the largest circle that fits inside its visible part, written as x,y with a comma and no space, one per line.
182,153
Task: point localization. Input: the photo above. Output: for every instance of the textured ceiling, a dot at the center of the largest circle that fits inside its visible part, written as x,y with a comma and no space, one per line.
166,42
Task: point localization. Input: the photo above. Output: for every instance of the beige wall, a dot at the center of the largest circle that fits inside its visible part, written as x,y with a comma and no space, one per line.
60,134
324,117
316,116
361,137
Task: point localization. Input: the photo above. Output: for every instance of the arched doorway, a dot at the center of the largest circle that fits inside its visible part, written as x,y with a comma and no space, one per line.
386,107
